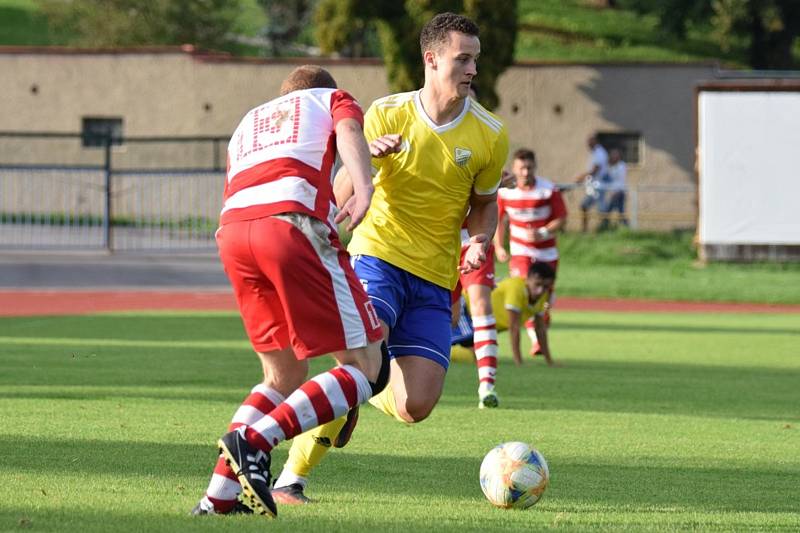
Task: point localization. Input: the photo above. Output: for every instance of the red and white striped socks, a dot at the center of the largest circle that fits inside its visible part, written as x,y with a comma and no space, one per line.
318,401
270,419
224,486
485,341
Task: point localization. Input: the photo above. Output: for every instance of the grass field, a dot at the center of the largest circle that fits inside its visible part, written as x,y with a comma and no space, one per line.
663,266
656,422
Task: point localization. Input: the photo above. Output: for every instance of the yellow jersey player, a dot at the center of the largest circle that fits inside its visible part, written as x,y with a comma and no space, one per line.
523,299
437,155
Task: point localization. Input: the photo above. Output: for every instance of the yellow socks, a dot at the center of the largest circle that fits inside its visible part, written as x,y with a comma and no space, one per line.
310,447
386,403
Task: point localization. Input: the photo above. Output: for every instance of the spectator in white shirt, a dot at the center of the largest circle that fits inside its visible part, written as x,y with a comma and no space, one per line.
615,189
593,180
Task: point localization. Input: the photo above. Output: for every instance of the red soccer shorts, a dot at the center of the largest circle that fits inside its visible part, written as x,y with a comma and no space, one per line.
483,276
519,265
295,286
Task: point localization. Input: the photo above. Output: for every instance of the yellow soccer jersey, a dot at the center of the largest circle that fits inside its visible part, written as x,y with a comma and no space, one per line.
512,294
422,192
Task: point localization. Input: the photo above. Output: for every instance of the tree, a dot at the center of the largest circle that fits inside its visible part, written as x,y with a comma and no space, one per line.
286,21
340,22
102,23
772,26
768,27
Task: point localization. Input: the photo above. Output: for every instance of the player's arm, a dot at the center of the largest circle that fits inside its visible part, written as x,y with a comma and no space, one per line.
500,235
354,152
541,336
380,147
514,323
342,187
481,224
559,214
482,217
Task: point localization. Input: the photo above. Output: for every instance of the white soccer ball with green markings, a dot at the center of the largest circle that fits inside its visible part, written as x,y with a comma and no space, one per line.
514,475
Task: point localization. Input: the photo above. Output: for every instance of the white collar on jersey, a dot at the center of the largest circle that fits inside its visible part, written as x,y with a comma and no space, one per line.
431,124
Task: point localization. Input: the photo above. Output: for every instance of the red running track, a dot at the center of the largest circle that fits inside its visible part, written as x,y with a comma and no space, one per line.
59,302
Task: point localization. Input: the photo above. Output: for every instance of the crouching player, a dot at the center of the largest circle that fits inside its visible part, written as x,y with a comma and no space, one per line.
523,299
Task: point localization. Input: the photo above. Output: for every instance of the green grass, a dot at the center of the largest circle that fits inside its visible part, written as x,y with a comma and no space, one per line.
656,422
21,24
576,30
549,30
663,266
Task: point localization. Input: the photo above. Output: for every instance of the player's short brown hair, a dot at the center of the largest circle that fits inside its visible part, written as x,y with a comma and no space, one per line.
307,77
437,31
525,154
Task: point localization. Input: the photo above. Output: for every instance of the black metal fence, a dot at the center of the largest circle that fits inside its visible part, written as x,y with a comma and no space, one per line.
64,191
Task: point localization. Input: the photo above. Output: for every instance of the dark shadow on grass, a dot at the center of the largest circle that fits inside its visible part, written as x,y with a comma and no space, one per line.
574,484
625,387
645,388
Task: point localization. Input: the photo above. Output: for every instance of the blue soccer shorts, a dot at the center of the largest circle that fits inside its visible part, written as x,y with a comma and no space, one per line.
462,333
416,311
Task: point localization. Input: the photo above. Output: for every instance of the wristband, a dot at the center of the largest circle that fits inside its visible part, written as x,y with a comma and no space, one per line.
543,233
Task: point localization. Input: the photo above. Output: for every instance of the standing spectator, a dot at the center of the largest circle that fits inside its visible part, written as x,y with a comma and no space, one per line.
534,212
615,188
296,291
593,180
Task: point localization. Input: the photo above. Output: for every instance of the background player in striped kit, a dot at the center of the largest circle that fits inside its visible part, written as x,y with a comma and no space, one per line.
534,212
295,288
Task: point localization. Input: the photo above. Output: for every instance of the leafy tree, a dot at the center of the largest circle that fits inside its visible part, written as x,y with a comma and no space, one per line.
341,22
286,22
100,23
768,27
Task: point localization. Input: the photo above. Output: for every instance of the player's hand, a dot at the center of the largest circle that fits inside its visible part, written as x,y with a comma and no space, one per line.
355,207
507,180
385,145
539,234
501,254
475,255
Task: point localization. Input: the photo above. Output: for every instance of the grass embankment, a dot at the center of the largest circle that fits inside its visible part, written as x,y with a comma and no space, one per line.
663,266
549,30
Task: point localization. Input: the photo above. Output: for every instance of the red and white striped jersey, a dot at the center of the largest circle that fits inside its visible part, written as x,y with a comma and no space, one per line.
528,209
281,155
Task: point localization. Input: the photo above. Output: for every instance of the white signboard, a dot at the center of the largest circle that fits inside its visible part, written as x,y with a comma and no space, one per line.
749,167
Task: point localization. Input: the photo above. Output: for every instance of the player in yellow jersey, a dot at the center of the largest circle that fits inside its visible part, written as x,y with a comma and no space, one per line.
522,298
437,154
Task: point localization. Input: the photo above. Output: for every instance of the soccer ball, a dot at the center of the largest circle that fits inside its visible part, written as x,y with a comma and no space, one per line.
514,475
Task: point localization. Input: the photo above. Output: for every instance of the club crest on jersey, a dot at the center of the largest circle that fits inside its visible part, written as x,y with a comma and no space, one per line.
462,156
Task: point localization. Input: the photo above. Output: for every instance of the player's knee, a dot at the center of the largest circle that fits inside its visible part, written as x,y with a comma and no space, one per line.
415,410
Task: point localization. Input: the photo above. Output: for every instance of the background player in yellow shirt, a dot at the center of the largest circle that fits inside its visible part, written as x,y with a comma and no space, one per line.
436,155
522,298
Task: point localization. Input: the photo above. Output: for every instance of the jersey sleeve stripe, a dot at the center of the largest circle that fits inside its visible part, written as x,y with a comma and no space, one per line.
494,124
491,118
394,100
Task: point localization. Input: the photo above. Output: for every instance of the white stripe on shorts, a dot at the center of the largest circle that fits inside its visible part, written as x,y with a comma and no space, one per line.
318,234
439,355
